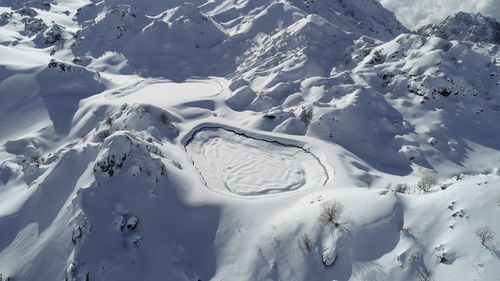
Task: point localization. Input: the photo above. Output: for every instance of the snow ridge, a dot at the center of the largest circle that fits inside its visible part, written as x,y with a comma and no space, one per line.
463,26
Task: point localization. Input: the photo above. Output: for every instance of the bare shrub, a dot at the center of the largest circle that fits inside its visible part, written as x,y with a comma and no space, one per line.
401,188
37,160
102,135
305,242
259,249
484,234
378,57
331,212
164,118
276,242
306,116
109,121
426,183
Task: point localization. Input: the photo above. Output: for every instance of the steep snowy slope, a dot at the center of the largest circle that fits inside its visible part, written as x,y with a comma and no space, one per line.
465,27
244,140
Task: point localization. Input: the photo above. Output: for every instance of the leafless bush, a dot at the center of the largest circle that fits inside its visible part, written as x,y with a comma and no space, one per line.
102,135
426,183
164,118
306,116
401,188
259,249
378,57
423,41
276,242
484,234
305,242
37,160
109,121
331,212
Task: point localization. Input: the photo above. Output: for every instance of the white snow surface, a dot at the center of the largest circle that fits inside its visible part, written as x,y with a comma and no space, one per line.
164,93
162,140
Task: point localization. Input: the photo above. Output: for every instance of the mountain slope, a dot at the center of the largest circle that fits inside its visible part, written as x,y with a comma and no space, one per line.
244,140
465,27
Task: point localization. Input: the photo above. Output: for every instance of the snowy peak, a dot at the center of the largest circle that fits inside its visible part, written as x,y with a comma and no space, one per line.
227,34
366,17
463,26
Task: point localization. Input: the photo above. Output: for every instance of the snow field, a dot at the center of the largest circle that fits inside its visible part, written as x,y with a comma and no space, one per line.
164,93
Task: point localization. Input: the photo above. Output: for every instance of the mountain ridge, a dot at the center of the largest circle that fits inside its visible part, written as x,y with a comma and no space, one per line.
462,26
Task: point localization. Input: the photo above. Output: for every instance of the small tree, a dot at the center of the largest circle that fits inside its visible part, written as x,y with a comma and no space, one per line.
259,250
306,116
104,134
305,242
331,212
425,183
401,188
485,235
109,120
164,118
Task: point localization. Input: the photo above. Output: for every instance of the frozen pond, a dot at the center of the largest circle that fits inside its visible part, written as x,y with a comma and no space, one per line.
233,163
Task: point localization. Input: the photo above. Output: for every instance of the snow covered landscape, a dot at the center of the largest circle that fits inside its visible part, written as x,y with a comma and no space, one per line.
246,140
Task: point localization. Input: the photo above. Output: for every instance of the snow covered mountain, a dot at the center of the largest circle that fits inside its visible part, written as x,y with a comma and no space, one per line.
246,140
465,27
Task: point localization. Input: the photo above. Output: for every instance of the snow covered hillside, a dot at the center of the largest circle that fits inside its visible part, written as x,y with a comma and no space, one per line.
246,140
465,26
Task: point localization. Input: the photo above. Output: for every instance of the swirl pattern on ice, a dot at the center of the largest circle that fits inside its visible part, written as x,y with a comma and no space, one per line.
233,163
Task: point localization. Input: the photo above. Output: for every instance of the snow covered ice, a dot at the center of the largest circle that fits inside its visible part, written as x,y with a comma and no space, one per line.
235,163
209,140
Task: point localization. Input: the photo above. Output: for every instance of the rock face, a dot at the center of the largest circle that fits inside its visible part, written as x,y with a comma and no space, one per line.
465,27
